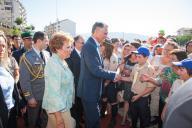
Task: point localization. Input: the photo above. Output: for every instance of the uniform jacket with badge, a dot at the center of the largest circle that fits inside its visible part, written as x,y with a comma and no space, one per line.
32,74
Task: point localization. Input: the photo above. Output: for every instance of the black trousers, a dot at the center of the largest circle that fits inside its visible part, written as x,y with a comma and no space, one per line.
140,110
77,111
37,117
12,121
112,98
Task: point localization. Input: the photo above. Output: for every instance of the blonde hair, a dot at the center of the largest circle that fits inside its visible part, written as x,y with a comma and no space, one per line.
4,62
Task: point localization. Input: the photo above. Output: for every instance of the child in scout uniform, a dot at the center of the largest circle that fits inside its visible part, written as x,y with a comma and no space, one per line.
139,106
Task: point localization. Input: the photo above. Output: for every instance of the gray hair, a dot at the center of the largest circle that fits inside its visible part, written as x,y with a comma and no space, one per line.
97,25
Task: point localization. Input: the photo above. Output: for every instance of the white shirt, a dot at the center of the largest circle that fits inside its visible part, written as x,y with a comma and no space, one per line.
37,51
78,52
46,54
98,45
177,85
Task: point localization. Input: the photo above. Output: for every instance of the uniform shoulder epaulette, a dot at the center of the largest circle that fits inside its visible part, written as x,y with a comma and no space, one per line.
36,72
28,52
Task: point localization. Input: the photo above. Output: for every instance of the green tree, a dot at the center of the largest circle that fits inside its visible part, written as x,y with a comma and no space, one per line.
182,40
29,28
19,20
15,31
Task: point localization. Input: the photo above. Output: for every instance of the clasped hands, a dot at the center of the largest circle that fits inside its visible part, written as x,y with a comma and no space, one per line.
143,78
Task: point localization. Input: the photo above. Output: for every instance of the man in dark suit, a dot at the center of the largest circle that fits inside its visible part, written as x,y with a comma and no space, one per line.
74,65
92,75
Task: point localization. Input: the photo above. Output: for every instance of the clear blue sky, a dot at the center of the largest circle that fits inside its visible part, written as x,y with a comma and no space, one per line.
131,16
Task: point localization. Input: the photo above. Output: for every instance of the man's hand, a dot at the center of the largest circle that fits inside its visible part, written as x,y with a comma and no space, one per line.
23,110
32,102
135,98
117,78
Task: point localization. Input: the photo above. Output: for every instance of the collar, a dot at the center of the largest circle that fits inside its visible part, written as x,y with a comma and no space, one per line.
147,64
78,52
36,50
97,43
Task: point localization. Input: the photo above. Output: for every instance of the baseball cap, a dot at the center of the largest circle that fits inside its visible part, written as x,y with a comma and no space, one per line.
142,50
186,63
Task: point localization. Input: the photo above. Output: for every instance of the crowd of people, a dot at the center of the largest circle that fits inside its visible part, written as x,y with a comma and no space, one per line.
65,82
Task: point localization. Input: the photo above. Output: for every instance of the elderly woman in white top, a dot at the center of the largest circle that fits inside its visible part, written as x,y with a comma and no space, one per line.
59,83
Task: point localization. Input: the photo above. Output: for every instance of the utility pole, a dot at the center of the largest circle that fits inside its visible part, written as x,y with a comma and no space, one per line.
57,19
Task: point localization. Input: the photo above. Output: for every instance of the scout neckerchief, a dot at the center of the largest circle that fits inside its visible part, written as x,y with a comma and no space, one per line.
137,72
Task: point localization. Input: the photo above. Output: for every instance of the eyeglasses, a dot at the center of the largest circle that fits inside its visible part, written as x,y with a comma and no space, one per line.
166,51
80,42
127,49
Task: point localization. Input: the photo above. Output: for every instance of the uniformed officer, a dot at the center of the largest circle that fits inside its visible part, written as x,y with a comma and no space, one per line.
32,79
27,43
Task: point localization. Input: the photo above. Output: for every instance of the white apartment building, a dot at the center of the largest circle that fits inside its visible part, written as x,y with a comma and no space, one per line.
66,25
184,31
10,10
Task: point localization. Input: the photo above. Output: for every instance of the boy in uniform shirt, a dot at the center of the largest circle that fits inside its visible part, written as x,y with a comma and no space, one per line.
140,90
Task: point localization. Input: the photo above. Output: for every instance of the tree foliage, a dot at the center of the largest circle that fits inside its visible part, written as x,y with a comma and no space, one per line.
182,40
15,31
29,28
19,20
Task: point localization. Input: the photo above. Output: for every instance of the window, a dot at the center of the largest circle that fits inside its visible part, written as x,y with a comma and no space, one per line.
7,3
7,8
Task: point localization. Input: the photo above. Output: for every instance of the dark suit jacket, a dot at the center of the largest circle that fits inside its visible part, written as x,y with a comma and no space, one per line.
74,64
92,73
17,54
3,110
